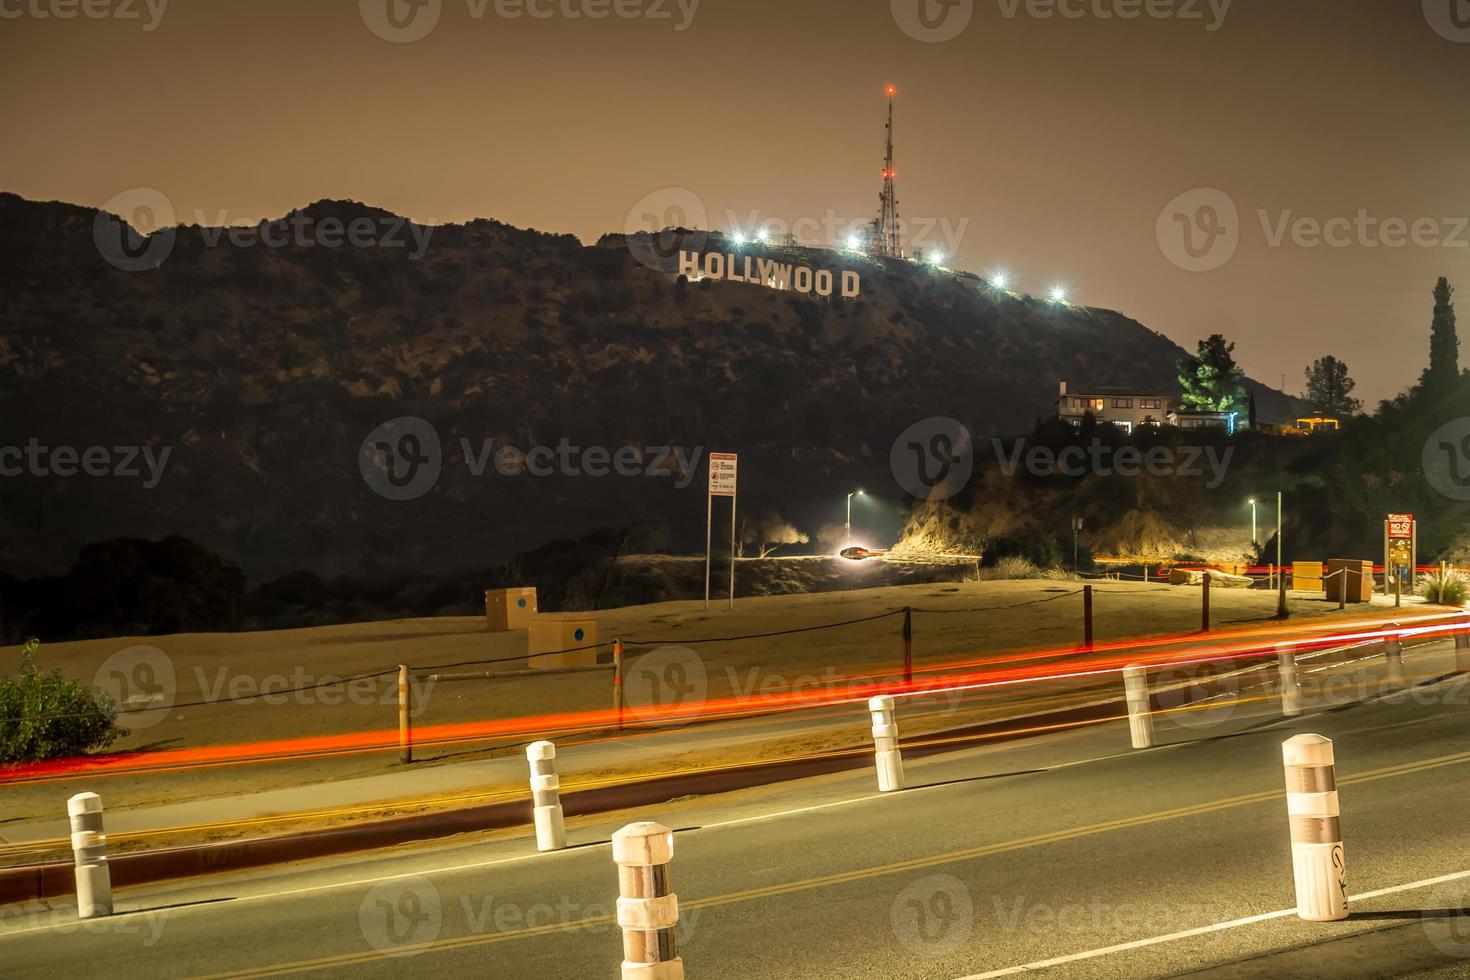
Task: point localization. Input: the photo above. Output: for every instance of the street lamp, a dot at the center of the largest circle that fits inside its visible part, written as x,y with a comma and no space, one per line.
855,493
1255,541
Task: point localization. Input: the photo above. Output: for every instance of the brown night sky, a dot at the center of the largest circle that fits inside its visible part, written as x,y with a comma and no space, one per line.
1058,141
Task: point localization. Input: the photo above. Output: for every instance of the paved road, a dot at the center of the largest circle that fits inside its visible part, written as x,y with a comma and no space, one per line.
1001,857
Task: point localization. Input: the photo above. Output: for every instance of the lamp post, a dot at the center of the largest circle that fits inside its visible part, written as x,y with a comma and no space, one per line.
1076,529
1255,540
855,493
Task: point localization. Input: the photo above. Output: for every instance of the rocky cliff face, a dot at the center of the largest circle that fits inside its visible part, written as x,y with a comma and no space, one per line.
234,389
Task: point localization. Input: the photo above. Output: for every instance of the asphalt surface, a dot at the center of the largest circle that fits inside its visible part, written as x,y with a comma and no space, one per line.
1062,846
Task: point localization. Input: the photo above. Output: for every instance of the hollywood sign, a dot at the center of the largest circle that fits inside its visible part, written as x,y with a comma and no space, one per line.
766,272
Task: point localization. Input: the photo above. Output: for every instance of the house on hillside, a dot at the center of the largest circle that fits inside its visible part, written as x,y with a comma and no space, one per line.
1127,408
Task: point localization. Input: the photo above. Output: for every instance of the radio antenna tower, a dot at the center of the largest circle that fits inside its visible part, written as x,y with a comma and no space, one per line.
883,237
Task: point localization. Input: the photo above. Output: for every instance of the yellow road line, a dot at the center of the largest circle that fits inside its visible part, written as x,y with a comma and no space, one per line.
824,881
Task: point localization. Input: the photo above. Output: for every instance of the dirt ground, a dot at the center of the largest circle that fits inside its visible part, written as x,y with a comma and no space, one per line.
229,672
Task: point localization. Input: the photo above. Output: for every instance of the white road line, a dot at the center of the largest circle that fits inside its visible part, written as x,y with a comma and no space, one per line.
1201,931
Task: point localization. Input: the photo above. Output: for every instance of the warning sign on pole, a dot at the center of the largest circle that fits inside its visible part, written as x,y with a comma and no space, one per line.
722,468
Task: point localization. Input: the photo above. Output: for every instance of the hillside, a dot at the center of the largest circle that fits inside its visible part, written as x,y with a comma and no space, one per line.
262,370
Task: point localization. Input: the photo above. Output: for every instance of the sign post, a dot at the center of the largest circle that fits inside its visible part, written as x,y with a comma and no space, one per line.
722,473
1400,550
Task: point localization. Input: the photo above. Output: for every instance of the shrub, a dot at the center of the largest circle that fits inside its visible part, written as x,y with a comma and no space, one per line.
1444,590
46,716
1011,567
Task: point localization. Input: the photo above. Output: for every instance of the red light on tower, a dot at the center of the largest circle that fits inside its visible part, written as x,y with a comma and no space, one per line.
892,91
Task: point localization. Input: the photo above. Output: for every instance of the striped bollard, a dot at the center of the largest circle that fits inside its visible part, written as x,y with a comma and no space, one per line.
648,909
1393,653
1291,689
551,830
885,743
89,845
1316,832
1140,716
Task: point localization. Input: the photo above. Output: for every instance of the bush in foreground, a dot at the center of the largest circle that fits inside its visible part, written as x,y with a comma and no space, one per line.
47,716
1444,590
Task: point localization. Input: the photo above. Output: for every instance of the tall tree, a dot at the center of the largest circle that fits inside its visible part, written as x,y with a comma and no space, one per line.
1444,344
1211,379
1330,388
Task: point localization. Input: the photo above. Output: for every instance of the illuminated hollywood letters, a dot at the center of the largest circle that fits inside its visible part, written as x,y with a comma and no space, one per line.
771,274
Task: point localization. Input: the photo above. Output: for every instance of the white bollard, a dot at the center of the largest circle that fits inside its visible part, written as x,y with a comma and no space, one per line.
1140,715
885,743
89,844
648,909
1316,832
1393,653
1291,689
551,830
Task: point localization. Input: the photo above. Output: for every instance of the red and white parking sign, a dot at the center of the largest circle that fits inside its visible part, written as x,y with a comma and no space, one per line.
1401,526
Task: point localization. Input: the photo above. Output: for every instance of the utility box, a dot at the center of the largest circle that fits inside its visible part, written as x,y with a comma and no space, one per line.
558,641
509,609
1354,584
1306,576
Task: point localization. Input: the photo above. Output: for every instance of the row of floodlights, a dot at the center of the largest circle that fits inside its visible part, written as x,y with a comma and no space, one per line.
855,243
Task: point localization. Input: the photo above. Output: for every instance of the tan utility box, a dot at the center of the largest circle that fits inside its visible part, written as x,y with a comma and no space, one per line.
1355,582
1306,576
557,641
509,609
